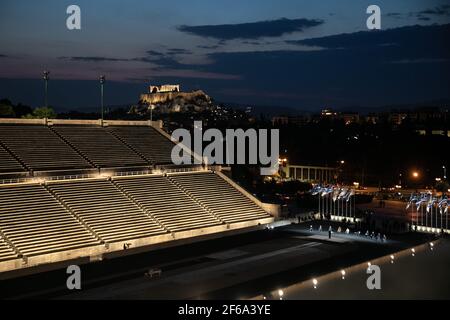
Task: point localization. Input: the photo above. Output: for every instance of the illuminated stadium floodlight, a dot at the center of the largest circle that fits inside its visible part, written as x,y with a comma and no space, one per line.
102,82
46,78
335,201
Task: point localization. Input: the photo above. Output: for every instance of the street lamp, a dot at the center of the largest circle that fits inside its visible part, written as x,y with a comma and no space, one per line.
151,113
415,174
315,282
102,82
445,172
46,78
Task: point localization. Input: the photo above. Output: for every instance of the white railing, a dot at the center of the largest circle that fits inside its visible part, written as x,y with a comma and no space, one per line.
96,175
132,173
15,180
71,177
187,169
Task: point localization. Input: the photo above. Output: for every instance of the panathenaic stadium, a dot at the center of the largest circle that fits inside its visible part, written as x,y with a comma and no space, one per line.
81,189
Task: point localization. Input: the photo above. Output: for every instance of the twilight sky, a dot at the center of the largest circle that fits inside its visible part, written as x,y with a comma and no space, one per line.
301,54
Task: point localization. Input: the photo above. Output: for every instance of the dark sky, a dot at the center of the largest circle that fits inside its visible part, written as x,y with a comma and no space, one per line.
302,54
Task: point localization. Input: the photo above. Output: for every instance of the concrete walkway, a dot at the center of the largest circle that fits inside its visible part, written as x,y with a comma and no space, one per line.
204,278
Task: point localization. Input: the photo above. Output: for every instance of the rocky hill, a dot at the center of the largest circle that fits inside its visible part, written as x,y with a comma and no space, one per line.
169,102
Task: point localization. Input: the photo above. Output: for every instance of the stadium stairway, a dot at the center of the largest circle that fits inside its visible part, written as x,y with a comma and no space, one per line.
103,149
138,204
161,199
191,196
73,147
115,133
146,141
76,217
7,250
219,197
37,148
9,162
107,211
35,223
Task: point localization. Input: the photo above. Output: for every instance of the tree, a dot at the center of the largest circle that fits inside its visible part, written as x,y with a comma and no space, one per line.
442,186
41,113
6,111
6,101
22,110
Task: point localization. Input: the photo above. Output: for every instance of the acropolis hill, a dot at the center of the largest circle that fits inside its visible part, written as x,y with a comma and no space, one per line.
169,98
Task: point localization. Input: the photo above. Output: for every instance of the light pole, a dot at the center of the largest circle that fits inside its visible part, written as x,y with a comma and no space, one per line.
46,78
415,177
102,82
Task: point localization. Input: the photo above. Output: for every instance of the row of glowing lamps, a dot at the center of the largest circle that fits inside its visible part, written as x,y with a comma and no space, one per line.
343,273
103,175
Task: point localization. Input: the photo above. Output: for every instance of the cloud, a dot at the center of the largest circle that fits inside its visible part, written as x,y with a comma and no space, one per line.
154,53
423,60
145,59
169,62
255,43
162,61
252,30
393,14
369,68
92,59
194,74
372,68
424,15
442,10
208,47
3,56
173,51
435,35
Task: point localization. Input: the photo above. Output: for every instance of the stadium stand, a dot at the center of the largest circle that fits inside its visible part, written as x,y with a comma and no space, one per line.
38,148
36,223
146,141
99,146
8,163
105,210
219,196
57,205
6,253
166,203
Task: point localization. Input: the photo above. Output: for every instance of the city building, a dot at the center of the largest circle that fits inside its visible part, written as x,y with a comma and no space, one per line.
313,174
